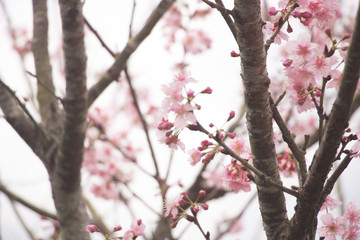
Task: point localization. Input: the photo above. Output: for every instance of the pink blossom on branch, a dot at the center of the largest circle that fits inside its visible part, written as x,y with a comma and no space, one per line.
171,206
235,178
332,226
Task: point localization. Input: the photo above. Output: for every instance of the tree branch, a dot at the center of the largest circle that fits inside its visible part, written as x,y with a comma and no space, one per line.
14,197
65,173
298,153
310,193
114,71
48,105
246,14
17,115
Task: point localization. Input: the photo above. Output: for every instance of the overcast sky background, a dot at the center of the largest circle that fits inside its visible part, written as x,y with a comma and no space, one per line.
24,174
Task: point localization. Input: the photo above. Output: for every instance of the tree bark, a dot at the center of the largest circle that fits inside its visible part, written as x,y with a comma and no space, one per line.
248,22
65,172
47,102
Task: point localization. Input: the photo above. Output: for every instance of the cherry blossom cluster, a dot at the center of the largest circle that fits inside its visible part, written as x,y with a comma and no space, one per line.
286,163
179,105
107,165
177,28
136,229
175,209
346,226
232,177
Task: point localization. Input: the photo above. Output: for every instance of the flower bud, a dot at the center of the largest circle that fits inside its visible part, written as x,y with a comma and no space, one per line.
91,228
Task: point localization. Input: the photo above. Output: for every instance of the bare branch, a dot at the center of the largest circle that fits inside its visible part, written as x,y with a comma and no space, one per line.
97,35
144,124
14,197
48,105
17,115
114,71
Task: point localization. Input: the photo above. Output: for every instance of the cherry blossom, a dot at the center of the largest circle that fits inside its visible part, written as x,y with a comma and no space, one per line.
286,163
235,178
352,214
332,226
171,206
330,203
195,156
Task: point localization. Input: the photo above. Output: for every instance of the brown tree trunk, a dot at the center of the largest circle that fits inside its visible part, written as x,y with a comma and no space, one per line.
249,36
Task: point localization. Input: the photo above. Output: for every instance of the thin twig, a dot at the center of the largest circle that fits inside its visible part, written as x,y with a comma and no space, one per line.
20,200
236,218
144,124
45,87
142,200
97,35
248,166
225,13
333,178
298,153
31,235
132,19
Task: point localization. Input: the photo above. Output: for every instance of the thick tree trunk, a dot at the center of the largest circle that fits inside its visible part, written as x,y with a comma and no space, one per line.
248,22
65,177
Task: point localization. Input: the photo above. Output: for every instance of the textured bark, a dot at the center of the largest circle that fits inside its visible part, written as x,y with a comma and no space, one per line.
27,129
307,209
45,94
248,22
65,174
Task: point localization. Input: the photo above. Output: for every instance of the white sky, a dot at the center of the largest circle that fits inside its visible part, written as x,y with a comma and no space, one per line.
24,174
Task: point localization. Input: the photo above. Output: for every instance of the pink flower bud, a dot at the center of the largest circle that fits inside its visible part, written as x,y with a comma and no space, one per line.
202,193
234,54
207,90
211,125
205,206
272,11
231,135
306,15
287,63
91,228
117,228
139,222
190,93
328,32
196,209
231,115
184,194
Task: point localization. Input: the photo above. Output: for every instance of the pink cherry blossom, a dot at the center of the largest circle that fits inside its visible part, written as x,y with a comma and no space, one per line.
184,115
286,164
352,233
235,178
171,206
195,156
352,214
332,226
330,203
137,227
214,179
196,41
270,28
